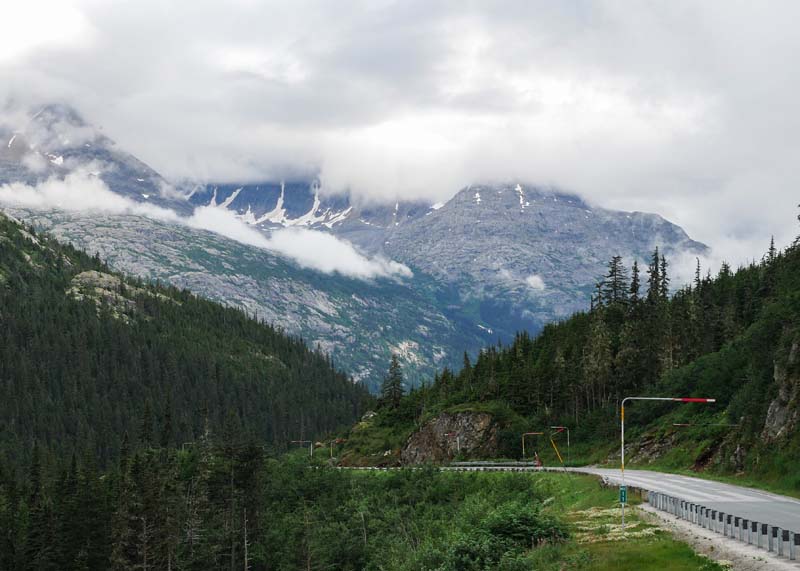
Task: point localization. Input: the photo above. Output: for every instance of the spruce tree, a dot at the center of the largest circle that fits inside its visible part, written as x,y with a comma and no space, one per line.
663,286
392,389
635,285
772,252
615,286
654,279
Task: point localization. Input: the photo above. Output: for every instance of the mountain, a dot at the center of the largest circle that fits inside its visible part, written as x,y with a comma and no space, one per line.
490,261
734,337
88,355
56,140
360,323
523,256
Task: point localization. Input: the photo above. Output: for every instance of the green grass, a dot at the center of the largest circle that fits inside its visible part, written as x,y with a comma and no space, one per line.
662,553
598,542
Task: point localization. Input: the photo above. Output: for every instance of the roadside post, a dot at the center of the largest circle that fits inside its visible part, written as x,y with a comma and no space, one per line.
562,429
622,430
524,434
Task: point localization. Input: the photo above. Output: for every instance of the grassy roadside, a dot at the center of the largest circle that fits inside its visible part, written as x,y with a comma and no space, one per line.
597,541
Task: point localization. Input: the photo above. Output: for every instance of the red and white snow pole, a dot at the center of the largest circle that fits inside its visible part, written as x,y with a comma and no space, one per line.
623,492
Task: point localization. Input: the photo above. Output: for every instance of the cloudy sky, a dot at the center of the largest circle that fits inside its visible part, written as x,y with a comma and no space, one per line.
688,109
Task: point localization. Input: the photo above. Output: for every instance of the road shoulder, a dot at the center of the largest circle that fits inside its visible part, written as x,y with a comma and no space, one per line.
725,551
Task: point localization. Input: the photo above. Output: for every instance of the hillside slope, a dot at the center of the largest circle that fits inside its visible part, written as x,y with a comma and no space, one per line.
87,356
734,337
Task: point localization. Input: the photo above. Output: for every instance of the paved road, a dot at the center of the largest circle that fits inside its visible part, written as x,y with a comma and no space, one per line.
752,504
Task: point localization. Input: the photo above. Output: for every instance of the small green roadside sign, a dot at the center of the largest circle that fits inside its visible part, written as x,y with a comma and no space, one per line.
623,494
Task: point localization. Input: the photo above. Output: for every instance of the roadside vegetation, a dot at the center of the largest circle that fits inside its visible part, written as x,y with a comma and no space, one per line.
734,337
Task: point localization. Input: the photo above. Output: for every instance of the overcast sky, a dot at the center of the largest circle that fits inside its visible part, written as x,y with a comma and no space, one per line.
688,109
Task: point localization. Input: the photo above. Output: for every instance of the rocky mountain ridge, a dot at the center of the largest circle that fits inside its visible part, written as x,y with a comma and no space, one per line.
490,261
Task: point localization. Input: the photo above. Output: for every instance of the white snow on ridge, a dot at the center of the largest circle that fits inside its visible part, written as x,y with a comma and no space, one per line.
11,140
521,193
231,198
437,206
338,217
278,214
310,217
477,198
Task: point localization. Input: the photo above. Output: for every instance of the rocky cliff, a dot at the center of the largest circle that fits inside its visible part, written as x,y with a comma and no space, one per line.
466,434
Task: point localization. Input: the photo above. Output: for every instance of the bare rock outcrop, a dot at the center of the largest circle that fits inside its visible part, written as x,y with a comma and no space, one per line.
784,411
476,433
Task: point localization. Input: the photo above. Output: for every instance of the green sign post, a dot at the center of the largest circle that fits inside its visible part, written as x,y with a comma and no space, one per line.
623,494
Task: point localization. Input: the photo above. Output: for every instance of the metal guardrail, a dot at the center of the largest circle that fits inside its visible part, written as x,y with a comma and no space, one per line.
782,542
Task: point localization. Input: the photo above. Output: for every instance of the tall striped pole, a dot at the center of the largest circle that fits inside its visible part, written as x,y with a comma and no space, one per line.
622,432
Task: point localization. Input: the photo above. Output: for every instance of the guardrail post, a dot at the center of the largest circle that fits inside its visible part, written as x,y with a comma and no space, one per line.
743,530
794,544
784,538
772,539
762,532
735,530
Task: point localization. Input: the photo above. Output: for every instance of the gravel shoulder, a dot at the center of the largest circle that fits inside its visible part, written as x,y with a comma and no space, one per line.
728,552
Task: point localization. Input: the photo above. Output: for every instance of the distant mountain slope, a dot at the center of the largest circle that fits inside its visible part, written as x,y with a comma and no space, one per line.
86,357
360,323
522,255
56,140
488,262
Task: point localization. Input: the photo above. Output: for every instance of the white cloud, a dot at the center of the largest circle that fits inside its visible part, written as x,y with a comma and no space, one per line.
78,191
308,248
640,106
326,253
85,192
535,282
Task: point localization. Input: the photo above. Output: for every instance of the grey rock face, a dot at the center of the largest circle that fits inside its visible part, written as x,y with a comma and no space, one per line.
439,439
521,255
783,412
